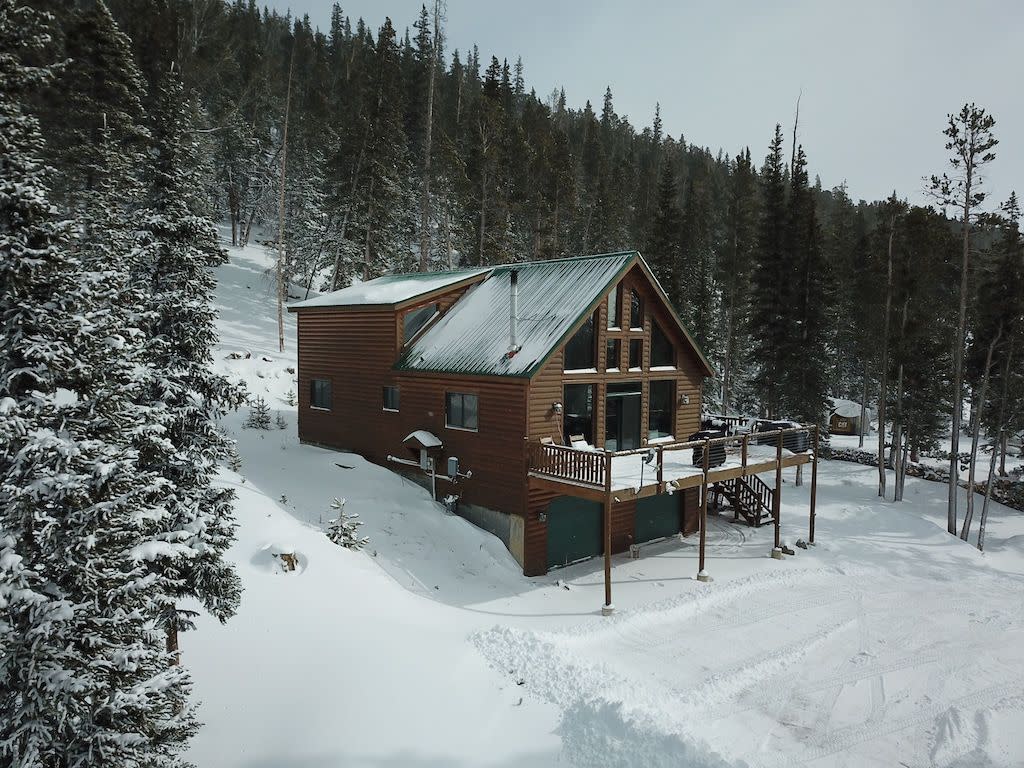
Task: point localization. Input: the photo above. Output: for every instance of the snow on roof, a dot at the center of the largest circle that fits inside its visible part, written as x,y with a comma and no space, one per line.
424,438
553,295
845,409
390,289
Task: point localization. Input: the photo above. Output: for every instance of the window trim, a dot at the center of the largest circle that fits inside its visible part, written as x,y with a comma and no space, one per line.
330,394
447,425
384,399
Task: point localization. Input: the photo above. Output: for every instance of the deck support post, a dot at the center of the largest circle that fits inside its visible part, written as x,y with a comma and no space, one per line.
607,609
777,500
814,486
702,574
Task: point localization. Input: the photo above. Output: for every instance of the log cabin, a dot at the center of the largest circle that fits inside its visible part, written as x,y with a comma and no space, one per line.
532,376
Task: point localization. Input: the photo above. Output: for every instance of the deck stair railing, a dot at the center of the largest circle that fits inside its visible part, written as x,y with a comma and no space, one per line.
749,497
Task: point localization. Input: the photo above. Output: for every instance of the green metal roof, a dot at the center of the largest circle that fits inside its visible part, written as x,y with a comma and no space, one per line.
390,290
472,338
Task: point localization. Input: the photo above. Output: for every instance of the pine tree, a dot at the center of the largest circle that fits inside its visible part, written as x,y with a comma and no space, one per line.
971,141
804,351
344,529
663,250
177,251
770,281
85,680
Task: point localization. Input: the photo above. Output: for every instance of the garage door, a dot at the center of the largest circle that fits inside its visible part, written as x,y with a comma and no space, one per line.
574,530
657,516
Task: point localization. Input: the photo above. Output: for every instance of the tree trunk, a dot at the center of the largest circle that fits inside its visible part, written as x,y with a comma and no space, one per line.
281,288
428,138
884,383
1003,446
863,410
988,494
958,356
1001,439
977,409
898,425
336,272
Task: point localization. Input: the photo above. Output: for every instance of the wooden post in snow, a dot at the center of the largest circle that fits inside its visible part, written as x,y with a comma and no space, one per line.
607,609
814,486
702,574
777,500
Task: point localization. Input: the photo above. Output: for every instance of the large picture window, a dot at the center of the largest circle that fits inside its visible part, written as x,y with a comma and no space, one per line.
320,394
579,351
461,411
663,354
578,407
662,406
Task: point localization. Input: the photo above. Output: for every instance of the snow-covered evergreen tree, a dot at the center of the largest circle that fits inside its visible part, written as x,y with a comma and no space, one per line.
84,680
344,529
178,247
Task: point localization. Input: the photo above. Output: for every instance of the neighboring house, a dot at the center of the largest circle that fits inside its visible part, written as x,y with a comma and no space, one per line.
845,417
585,351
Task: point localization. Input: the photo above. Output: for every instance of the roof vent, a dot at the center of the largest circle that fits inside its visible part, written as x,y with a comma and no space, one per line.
513,314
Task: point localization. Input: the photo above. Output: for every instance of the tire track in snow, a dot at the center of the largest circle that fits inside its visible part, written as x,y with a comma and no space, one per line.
851,736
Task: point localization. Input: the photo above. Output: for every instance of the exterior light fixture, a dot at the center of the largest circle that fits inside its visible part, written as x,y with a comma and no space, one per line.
684,399
556,407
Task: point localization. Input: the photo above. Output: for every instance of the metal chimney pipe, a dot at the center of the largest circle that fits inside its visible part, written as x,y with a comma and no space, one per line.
513,308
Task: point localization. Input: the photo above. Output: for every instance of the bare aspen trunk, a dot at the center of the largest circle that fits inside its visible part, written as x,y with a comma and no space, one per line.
884,382
863,409
984,504
977,409
897,431
1000,439
281,288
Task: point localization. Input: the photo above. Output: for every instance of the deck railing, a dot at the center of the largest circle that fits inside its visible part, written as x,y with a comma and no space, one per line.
565,463
588,466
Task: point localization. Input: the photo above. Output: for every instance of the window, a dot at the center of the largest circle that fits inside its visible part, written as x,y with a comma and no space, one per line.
636,354
579,351
391,398
614,355
460,410
663,354
415,319
578,407
662,406
320,394
636,310
614,302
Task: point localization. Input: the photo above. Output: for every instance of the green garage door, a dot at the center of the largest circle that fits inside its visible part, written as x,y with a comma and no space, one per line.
574,530
657,516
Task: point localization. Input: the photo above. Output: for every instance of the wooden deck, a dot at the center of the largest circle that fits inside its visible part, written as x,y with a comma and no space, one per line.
661,468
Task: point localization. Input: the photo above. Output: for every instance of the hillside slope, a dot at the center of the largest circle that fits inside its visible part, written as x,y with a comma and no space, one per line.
889,642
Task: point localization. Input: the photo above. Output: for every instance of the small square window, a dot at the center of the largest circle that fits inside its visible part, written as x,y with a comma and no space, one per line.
390,398
636,354
320,394
461,411
613,355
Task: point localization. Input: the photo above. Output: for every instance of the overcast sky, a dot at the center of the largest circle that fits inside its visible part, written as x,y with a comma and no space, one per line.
877,78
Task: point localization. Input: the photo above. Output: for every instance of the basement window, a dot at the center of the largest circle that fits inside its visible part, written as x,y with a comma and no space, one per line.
461,411
320,394
391,399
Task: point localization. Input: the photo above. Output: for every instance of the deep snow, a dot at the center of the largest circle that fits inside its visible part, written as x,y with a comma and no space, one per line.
890,642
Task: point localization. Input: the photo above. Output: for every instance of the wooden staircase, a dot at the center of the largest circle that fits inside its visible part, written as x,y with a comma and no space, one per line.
750,498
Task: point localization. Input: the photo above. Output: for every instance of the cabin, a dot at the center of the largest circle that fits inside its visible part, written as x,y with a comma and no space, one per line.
539,393
845,418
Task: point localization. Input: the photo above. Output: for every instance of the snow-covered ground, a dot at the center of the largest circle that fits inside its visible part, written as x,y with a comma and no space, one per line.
889,643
